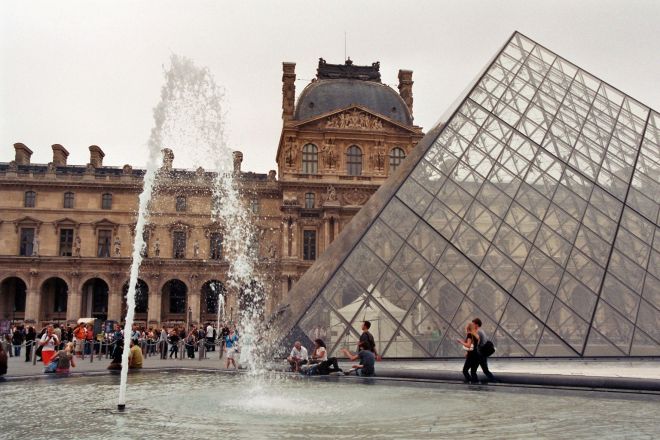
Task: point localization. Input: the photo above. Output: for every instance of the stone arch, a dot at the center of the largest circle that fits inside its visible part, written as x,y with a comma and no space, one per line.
54,295
141,300
13,297
209,300
95,298
174,302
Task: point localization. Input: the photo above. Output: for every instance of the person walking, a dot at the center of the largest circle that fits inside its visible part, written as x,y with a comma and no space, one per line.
471,356
484,347
174,344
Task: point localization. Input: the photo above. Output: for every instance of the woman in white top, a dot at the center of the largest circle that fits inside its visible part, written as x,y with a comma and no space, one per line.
48,341
320,353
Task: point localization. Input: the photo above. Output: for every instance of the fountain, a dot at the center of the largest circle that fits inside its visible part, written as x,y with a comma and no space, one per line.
190,117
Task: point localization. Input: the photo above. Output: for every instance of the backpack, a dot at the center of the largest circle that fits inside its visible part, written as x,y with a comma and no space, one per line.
487,349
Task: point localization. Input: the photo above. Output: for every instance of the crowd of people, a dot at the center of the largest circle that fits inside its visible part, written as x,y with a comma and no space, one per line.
57,346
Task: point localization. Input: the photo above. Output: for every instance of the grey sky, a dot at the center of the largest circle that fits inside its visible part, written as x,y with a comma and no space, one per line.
89,72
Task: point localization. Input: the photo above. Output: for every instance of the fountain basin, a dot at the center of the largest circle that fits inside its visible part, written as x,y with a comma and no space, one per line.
201,405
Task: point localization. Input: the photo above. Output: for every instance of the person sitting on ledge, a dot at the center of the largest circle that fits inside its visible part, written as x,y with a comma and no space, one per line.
116,356
367,360
297,357
135,357
326,365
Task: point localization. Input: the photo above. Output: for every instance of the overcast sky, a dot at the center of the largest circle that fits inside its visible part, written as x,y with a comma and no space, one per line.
89,72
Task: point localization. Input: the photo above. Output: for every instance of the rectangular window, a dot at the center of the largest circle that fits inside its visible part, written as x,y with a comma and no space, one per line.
105,238
181,204
68,200
66,242
30,199
179,244
27,242
309,200
216,246
106,201
309,245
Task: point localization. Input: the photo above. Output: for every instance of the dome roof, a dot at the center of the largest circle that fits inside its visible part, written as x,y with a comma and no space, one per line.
325,95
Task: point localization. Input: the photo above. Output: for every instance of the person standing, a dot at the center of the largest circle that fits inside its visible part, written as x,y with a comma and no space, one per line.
162,343
367,339
231,343
210,338
482,343
17,339
79,338
30,336
48,343
174,344
471,356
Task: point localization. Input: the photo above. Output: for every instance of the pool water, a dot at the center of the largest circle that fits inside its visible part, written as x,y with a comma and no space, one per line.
195,405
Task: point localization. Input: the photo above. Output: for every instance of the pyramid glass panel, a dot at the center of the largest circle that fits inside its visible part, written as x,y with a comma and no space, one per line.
533,205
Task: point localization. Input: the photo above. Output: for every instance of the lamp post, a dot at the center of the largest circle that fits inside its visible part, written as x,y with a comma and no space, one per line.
189,318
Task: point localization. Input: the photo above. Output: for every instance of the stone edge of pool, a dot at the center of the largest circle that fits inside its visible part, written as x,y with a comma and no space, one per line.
578,382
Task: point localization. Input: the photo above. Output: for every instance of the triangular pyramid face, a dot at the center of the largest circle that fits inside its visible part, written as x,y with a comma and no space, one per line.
533,206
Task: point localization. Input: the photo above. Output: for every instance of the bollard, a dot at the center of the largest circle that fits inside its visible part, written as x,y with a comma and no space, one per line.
91,354
34,353
182,349
202,349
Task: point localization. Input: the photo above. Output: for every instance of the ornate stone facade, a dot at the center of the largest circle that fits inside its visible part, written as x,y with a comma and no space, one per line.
66,231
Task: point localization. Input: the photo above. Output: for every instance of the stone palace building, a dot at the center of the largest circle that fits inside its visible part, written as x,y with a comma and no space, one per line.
66,231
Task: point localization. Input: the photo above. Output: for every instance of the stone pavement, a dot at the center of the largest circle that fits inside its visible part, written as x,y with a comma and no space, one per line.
615,373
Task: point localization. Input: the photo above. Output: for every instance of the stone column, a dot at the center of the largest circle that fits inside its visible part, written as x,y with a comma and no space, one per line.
285,237
32,306
295,231
154,308
74,298
194,299
326,234
336,228
115,298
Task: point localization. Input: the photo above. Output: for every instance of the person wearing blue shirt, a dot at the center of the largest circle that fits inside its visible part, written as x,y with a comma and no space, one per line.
231,344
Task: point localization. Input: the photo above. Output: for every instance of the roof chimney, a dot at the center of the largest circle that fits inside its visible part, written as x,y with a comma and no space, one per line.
59,155
405,88
23,154
238,159
96,156
288,90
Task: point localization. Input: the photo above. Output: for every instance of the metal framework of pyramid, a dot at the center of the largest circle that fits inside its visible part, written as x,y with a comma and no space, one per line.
533,206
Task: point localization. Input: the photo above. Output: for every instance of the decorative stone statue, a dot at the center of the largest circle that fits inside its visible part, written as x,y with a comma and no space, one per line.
290,154
76,246
35,246
157,247
196,249
117,246
332,194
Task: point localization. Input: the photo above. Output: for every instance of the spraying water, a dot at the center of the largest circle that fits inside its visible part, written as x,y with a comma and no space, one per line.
190,117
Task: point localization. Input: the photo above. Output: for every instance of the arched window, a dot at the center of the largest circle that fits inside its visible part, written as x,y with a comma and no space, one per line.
106,201
68,200
396,157
310,159
354,160
30,199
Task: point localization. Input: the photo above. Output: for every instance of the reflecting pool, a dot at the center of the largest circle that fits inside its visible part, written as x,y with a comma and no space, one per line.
194,405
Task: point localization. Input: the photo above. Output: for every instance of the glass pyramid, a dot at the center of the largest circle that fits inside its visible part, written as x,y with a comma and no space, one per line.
533,206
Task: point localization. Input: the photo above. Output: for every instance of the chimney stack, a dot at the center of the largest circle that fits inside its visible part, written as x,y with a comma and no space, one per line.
96,156
238,159
168,159
288,90
405,88
59,155
23,154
